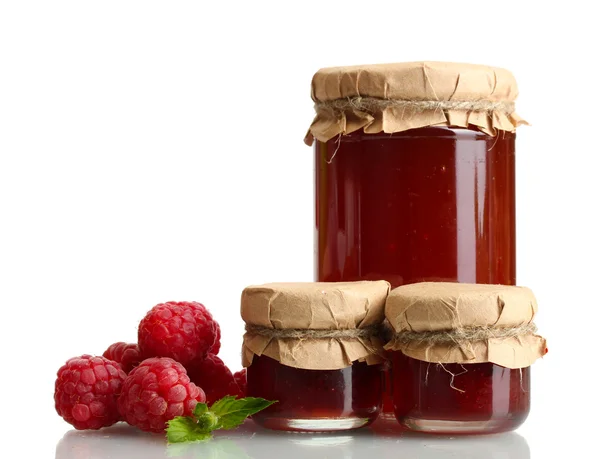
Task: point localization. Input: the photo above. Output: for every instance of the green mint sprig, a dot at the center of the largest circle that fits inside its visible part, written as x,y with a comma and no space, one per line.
227,413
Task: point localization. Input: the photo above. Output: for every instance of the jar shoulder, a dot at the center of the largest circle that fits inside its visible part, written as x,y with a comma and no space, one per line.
452,132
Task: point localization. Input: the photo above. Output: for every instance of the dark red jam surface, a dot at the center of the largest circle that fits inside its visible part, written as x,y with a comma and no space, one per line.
480,398
352,392
387,405
428,204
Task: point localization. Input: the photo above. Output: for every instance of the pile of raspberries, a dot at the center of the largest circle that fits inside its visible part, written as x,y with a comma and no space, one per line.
173,366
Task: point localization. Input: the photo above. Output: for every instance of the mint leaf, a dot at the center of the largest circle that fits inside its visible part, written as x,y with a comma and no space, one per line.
227,413
232,412
184,429
208,422
200,409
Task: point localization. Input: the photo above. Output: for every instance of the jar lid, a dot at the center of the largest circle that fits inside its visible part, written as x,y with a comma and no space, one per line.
465,323
314,325
396,97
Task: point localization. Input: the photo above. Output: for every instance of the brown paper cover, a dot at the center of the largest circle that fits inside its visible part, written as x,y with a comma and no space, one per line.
436,306
315,306
411,81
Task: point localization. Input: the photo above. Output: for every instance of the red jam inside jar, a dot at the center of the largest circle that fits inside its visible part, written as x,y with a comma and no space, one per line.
457,398
315,400
428,204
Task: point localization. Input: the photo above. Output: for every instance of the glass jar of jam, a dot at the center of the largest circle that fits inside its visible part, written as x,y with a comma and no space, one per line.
461,355
315,400
415,173
315,349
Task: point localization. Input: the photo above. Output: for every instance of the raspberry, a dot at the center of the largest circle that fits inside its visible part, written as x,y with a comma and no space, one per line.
183,331
156,391
86,391
216,347
214,377
241,380
127,354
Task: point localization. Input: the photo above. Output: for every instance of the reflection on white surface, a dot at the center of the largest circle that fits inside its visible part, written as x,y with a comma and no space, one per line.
381,441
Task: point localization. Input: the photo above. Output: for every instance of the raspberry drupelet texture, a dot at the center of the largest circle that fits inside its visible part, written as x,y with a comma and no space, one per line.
156,391
127,354
241,380
216,347
183,331
214,377
86,391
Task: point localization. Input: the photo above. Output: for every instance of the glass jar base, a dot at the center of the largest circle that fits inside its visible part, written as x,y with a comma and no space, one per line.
387,416
445,427
313,424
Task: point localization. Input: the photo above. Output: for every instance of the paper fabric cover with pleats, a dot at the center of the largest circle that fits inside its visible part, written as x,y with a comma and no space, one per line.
317,326
396,97
465,323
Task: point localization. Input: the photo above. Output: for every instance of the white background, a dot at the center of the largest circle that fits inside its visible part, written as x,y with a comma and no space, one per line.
152,151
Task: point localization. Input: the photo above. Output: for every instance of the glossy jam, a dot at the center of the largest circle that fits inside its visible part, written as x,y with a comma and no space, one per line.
459,399
315,400
387,400
429,204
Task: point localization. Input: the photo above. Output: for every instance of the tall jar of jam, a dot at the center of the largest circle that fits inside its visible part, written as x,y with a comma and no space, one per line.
461,355
415,173
315,349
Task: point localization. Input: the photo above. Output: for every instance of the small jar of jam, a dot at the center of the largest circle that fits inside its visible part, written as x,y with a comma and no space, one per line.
461,355
315,349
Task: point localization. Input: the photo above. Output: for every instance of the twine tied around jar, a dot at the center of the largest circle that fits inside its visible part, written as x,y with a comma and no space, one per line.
374,105
302,333
314,325
463,334
396,97
460,336
371,106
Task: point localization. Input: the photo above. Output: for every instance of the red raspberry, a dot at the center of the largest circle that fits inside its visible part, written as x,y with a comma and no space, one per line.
127,354
216,347
214,377
183,331
86,391
156,391
241,380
